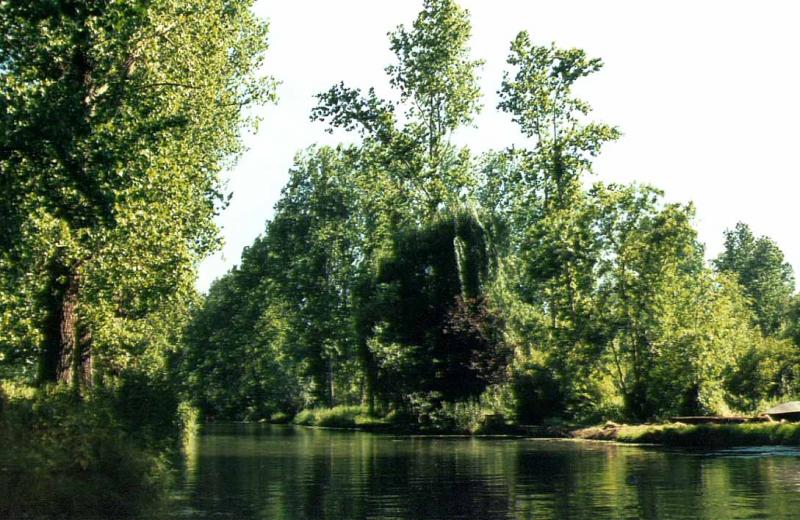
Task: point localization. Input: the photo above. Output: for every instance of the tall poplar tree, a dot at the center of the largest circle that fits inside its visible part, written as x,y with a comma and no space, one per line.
116,118
437,85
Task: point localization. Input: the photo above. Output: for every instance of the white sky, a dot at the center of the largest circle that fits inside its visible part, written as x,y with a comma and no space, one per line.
706,93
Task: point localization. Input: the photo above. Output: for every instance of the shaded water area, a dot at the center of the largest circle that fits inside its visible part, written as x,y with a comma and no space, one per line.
283,472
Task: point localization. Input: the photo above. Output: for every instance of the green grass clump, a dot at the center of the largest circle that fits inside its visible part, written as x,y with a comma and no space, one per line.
337,417
370,420
280,418
304,417
713,435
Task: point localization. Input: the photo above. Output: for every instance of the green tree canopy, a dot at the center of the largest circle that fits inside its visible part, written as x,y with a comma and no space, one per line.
767,279
409,138
115,121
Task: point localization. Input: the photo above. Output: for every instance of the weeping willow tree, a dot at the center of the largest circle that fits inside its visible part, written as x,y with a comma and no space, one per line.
414,173
434,333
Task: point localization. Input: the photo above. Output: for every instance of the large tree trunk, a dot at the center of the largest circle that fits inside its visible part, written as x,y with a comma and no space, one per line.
67,340
62,361
86,360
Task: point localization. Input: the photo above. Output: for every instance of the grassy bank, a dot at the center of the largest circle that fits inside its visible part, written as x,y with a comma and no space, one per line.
471,421
61,456
700,435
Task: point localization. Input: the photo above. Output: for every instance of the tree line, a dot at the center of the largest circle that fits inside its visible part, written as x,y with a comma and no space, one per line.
407,273
404,272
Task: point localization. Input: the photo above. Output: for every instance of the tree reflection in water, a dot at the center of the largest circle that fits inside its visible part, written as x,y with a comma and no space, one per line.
281,472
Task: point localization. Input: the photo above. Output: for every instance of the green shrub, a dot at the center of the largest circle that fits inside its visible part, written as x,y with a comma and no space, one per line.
486,414
148,407
465,417
538,394
63,456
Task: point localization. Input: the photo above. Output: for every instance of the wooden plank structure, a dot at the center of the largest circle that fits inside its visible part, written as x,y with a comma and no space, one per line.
787,411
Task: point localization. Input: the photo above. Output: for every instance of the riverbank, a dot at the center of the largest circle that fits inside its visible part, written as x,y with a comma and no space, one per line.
696,436
666,434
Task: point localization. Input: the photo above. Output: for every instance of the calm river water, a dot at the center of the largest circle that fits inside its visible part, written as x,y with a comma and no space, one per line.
282,472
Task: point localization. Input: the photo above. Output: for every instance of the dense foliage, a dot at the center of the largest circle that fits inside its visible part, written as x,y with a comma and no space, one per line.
116,119
401,278
410,276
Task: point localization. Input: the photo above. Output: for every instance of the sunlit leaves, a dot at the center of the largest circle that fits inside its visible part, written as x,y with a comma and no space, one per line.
538,95
409,139
768,280
115,122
